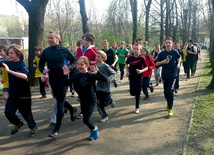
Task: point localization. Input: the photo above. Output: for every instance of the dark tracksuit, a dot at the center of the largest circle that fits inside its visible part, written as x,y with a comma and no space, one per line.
190,61
19,95
54,57
84,84
135,80
169,74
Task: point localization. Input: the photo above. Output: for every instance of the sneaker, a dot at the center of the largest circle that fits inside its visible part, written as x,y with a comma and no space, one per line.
73,114
18,113
159,80
16,128
112,103
43,96
33,131
121,81
176,90
157,84
94,134
79,116
102,120
192,74
114,82
146,98
52,124
151,89
170,113
136,111
54,134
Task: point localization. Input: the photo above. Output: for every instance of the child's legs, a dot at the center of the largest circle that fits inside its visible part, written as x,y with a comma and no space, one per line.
53,117
87,111
177,80
121,66
146,81
5,93
59,93
101,105
168,91
24,107
10,110
42,87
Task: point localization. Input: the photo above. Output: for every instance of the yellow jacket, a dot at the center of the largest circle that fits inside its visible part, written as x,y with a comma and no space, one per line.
36,62
5,78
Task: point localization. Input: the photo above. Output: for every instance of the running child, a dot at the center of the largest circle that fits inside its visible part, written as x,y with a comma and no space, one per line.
103,88
135,66
84,84
169,59
19,91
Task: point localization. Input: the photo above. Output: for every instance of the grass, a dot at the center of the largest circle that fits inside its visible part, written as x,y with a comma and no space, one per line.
201,136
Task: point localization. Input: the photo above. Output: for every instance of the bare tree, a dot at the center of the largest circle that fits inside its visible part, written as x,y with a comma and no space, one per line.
147,6
36,11
133,4
85,27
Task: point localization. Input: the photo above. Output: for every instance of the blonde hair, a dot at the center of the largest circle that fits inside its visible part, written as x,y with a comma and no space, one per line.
55,34
102,54
84,59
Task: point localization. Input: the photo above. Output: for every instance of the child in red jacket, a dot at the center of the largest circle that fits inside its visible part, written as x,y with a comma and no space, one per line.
147,74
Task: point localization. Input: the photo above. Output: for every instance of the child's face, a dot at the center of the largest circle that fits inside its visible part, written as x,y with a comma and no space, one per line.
82,66
12,55
143,52
136,50
2,53
38,53
168,44
105,44
99,58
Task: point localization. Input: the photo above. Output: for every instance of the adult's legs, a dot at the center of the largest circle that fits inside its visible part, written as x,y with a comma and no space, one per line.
59,93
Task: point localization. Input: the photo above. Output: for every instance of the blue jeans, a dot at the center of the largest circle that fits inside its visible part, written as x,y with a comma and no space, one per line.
146,84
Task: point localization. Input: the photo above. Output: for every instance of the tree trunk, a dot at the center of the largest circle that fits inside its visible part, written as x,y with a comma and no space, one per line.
36,11
161,24
147,20
133,4
83,13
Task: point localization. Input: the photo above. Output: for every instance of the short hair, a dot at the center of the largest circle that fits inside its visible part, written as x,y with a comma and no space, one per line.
102,54
79,43
2,47
190,41
18,51
169,38
89,37
55,34
38,49
123,42
85,60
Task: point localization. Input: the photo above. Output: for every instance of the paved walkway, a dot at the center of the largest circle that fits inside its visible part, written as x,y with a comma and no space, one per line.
148,133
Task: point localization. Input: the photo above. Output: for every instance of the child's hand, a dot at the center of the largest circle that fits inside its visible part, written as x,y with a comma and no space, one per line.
6,68
138,71
65,69
93,69
127,73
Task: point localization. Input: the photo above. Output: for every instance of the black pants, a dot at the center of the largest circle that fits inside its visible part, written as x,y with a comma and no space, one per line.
42,87
168,85
24,106
190,66
59,93
87,110
121,66
146,84
104,99
135,90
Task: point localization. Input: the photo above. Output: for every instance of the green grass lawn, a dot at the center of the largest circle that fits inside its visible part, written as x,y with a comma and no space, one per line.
201,135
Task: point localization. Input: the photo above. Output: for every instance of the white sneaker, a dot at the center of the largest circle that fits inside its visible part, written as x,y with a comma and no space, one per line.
137,111
121,81
102,120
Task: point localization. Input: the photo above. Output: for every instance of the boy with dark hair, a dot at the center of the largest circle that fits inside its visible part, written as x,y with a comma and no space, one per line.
169,59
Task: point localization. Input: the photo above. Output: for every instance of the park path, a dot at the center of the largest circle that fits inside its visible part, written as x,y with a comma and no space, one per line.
125,133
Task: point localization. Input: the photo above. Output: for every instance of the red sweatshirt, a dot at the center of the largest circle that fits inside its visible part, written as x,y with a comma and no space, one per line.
90,53
151,64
